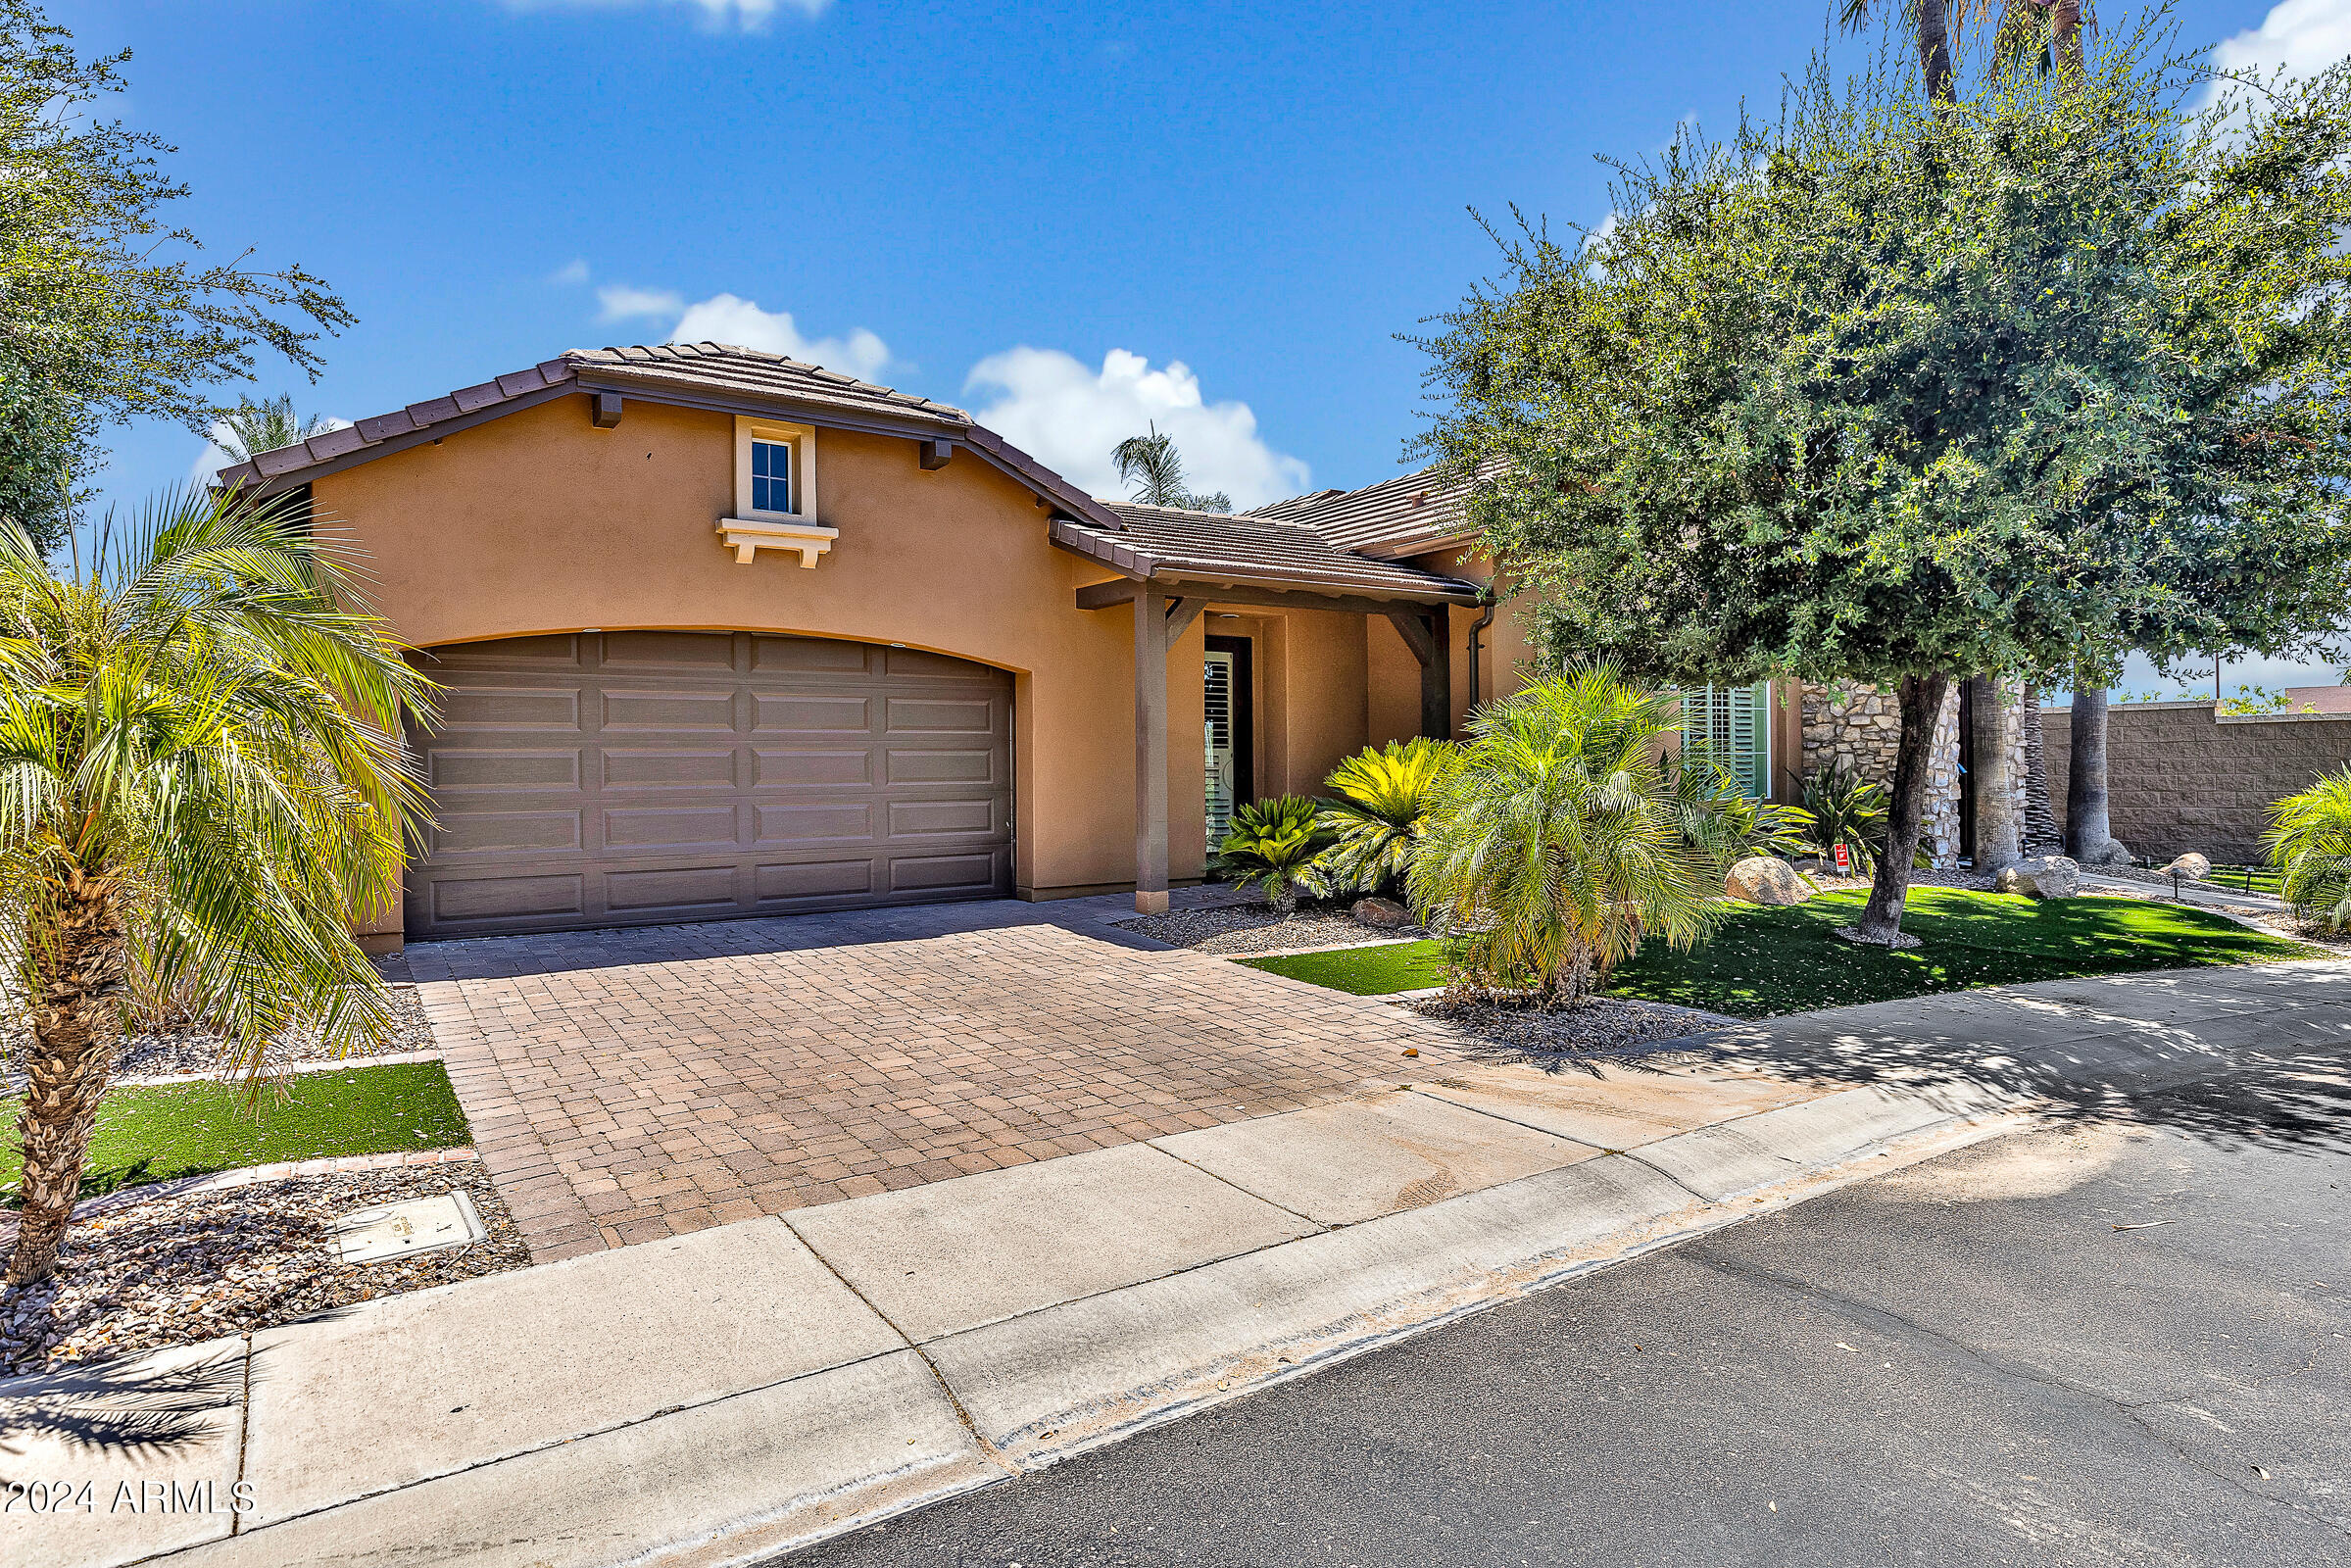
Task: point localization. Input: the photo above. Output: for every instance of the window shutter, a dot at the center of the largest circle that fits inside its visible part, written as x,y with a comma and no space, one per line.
1732,724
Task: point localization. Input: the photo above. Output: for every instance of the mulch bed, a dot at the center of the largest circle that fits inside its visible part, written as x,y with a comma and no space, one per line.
181,1270
1245,928
1606,1026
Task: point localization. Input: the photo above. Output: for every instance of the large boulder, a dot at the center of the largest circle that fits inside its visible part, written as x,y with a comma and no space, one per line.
2190,867
2048,876
2114,851
1383,914
1761,879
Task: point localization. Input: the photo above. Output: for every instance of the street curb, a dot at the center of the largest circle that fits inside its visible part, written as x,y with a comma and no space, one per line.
739,1477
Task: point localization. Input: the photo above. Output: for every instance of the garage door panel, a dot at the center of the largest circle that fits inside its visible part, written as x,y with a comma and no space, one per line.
669,827
931,819
507,708
637,777
473,833
504,772
812,770
789,824
960,766
655,769
815,715
691,651
676,892
810,655
499,900
706,713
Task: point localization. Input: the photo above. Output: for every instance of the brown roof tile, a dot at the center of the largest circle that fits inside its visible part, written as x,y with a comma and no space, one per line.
1405,516
1162,542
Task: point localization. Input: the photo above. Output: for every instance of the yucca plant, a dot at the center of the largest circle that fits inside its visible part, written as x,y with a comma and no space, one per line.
201,781
1556,848
1849,810
2309,841
1274,846
1382,794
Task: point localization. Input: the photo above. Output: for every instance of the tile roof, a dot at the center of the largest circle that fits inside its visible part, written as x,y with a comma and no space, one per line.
1405,516
705,368
1162,542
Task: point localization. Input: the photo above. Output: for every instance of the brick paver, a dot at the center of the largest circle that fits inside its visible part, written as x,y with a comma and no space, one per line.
625,1085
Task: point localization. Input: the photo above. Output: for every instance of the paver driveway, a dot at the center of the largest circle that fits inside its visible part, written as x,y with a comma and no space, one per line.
630,1085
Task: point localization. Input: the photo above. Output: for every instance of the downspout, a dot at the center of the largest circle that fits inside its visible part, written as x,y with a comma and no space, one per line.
1486,594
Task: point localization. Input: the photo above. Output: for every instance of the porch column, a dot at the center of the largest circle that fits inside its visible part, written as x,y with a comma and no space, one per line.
1428,631
1151,750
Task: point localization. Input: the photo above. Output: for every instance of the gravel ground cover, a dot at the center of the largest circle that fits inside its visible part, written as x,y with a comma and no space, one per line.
180,1270
1603,1027
1254,928
167,1052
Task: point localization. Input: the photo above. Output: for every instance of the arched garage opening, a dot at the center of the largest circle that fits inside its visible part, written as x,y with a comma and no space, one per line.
644,778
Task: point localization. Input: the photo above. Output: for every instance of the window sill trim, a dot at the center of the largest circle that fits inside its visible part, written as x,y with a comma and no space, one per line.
748,536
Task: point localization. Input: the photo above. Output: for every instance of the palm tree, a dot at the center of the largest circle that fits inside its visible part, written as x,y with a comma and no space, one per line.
253,427
2309,840
1382,796
1556,848
1156,470
200,779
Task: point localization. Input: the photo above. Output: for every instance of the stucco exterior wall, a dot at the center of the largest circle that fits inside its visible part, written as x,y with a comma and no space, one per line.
540,522
2178,778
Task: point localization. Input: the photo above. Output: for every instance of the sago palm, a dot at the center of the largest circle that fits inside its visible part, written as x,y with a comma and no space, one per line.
201,781
2309,841
1556,849
1383,793
1275,846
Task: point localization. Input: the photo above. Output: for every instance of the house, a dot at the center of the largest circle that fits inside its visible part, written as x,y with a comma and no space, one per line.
724,634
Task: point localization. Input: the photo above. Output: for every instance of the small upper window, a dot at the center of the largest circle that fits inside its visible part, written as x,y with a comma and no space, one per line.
770,476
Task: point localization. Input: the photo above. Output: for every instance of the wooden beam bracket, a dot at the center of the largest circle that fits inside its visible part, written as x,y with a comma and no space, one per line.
932,451
604,408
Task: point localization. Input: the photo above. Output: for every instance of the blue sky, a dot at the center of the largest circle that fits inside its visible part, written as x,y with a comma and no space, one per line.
1071,217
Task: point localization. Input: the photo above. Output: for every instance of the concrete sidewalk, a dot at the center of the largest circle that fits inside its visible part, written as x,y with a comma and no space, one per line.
721,1397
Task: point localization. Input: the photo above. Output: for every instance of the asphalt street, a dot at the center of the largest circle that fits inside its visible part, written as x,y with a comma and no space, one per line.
2118,1340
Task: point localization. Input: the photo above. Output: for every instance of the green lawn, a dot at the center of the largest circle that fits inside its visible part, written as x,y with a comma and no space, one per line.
156,1133
1763,962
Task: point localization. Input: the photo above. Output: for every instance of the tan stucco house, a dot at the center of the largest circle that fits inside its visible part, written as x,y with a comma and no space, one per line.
726,634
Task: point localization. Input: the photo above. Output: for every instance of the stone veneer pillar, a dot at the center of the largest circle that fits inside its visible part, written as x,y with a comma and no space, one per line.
1858,728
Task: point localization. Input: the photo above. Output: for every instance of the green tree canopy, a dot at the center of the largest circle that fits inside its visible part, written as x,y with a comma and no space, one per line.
1897,392
108,311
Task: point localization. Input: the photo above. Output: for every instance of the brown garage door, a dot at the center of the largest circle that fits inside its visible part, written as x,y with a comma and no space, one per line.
631,778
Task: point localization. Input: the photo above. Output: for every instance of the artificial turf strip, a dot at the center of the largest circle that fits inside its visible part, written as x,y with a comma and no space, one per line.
163,1131
1762,962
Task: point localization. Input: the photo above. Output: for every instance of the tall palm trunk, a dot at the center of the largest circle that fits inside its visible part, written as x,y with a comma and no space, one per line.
1921,698
1932,27
80,979
1996,785
2088,837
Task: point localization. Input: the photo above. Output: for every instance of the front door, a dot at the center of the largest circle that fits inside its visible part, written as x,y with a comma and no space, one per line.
1225,732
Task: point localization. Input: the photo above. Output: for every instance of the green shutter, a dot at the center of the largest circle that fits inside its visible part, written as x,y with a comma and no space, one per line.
1732,724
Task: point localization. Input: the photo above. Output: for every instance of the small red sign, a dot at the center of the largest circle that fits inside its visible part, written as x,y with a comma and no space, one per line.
1845,861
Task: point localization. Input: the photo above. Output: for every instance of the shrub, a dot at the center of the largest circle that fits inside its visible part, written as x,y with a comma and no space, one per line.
2310,843
1274,846
1721,820
1383,793
1554,847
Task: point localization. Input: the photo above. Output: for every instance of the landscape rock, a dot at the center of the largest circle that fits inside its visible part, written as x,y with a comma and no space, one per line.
1384,914
2191,866
1762,879
2049,876
2114,851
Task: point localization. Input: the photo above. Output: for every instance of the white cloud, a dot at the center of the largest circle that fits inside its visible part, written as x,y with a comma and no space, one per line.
1070,417
747,16
215,457
726,319
571,273
618,301
2303,37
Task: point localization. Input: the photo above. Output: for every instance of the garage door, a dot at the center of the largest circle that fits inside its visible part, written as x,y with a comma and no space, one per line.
631,777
